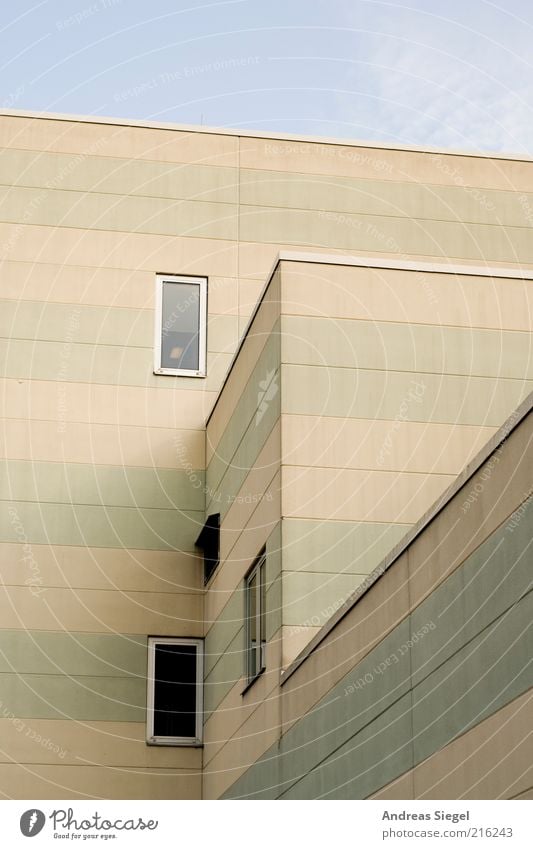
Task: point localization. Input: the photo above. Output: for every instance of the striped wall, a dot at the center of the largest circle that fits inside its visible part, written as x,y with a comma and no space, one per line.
105,465
385,399
423,689
243,484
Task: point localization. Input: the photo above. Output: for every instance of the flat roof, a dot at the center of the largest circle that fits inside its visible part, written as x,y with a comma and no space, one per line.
257,134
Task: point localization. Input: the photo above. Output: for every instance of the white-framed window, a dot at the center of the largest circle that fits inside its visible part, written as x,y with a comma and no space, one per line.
175,691
180,325
254,587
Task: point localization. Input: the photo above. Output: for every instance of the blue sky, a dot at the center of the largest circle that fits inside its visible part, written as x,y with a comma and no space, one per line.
425,72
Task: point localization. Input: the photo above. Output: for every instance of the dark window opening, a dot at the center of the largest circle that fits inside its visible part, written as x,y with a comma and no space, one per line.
174,690
209,542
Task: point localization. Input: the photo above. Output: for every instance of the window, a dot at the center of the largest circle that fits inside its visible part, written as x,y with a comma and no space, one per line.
174,704
209,541
255,618
180,329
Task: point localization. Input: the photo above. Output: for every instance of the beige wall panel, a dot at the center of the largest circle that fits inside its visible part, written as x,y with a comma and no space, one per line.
85,743
223,295
224,723
387,445
249,354
254,737
374,616
79,442
71,284
38,781
240,544
249,294
400,788
413,296
295,638
52,609
347,494
494,760
24,564
101,404
376,163
169,254
121,141
485,501
107,287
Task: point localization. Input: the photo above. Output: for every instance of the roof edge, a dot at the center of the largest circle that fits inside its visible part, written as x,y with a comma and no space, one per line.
309,139
367,262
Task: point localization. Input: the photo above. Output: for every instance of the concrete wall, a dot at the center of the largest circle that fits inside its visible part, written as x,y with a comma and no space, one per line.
423,688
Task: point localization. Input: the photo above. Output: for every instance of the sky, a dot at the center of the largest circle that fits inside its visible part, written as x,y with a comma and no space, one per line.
454,74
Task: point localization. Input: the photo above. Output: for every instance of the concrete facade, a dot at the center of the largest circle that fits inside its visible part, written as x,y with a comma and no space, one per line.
359,392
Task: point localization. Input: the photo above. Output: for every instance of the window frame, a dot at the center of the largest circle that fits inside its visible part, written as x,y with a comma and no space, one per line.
160,280
258,568
151,738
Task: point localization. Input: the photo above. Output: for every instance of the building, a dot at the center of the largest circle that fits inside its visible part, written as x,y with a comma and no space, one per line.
215,536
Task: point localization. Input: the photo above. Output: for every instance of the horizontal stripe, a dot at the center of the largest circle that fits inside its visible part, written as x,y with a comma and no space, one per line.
102,444
120,745
396,444
66,363
85,138
384,197
118,176
406,347
79,654
364,394
110,527
81,324
350,495
56,208
336,157
386,234
69,697
86,484
337,547
129,251
107,404
82,567
38,607
44,781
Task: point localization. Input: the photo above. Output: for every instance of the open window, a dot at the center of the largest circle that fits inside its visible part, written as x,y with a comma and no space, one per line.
254,587
175,686
180,325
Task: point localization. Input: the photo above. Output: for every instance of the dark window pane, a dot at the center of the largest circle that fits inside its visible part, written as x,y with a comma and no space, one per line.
180,347
175,691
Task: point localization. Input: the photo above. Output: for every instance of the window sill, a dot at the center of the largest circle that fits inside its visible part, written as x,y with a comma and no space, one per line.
252,681
154,741
170,372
